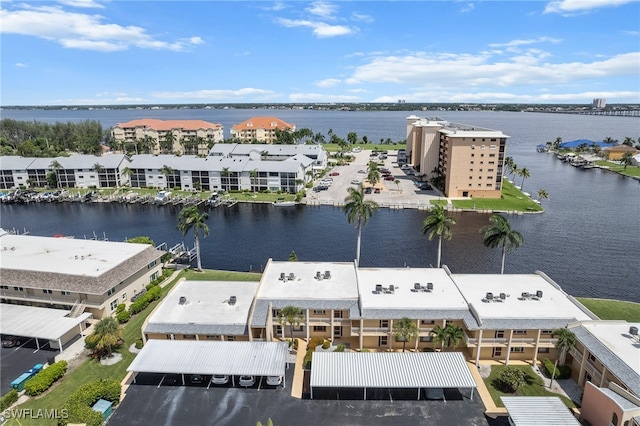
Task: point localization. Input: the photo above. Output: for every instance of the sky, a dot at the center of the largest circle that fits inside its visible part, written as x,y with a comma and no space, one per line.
95,52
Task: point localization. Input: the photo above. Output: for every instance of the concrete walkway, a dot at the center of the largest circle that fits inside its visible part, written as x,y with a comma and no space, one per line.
490,407
298,374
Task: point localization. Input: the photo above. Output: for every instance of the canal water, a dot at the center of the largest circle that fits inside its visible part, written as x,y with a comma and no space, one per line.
588,239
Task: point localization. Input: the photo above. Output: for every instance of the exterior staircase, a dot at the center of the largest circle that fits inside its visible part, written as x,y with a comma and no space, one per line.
77,309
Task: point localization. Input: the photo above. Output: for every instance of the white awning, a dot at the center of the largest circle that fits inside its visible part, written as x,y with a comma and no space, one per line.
538,410
35,322
211,357
390,370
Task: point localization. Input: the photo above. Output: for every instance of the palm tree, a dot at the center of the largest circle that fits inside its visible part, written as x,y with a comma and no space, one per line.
98,168
524,174
439,336
166,145
253,175
500,234
397,182
358,210
628,141
373,175
542,194
225,173
438,223
293,257
190,218
109,333
55,166
610,141
405,329
166,171
128,173
455,335
566,341
352,137
626,159
556,143
292,316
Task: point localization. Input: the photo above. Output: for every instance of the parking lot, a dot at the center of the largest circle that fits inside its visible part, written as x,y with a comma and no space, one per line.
404,193
17,360
171,403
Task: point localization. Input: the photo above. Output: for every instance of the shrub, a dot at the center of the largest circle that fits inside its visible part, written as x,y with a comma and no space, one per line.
80,402
91,341
139,344
562,371
45,378
307,359
314,342
511,379
123,317
143,301
121,307
326,344
341,348
8,399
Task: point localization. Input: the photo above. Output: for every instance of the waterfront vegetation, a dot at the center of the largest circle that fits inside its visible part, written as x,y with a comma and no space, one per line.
607,309
534,385
512,199
617,167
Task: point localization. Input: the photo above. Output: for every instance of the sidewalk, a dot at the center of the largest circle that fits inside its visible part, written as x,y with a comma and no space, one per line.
298,373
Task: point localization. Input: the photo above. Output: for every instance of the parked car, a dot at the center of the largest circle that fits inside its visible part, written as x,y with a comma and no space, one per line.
367,190
196,379
334,174
356,149
362,171
356,182
434,393
376,191
247,381
10,341
274,380
389,177
219,379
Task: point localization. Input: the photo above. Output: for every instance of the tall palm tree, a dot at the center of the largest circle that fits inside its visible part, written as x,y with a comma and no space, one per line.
225,173
98,168
566,341
626,159
556,143
500,234
542,194
358,210
290,315
109,332
405,329
55,166
166,145
438,223
373,173
455,335
191,218
524,173
128,173
253,175
628,141
439,336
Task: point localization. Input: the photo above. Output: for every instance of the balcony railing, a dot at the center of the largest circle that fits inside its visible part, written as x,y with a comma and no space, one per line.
596,376
377,330
576,354
46,299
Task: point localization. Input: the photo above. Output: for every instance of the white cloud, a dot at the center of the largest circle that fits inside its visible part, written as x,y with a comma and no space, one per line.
507,97
320,29
319,97
579,6
20,65
362,17
323,9
520,42
83,31
329,82
223,95
467,8
86,4
99,100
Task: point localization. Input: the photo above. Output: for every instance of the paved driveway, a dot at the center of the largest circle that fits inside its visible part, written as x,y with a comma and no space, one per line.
15,361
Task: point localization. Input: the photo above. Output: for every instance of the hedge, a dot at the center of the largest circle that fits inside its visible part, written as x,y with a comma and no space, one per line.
123,317
80,402
140,304
8,399
91,341
562,371
45,378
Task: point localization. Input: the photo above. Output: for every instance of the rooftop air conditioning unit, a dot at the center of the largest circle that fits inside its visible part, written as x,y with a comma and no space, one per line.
489,296
429,286
503,296
182,300
232,300
392,288
539,294
416,286
633,330
525,295
378,288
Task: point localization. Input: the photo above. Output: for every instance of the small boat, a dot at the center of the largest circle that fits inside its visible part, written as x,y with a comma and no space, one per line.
280,202
162,197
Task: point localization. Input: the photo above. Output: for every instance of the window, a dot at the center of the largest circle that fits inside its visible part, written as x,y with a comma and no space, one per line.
231,338
546,331
65,293
517,349
189,336
4,287
152,264
592,358
492,147
278,329
213,337
47,291
490,170
543,350
337,314
154,276
427,322
298,328
18,288
473,155
426,338
113,305
383,341
111,291
319,328
519,331
492,155
319,312
384,323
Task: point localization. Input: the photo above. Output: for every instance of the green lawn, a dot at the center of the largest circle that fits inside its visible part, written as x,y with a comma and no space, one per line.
619,168
92,369
534,387
612,309
332,147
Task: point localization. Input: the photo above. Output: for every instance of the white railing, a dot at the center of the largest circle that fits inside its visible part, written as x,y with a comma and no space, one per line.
576,354
356,330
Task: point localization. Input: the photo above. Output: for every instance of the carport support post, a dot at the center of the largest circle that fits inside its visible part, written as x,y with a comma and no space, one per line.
509,347
361,337
182,374
59,344
535,349
306,326
472,394
418,394
478,347
365,394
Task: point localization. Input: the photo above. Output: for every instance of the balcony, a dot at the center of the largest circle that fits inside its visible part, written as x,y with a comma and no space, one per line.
370,331
46,298
576,354
596,376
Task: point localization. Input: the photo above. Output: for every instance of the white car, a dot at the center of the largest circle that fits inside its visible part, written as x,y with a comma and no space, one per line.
219,379
356,182
247,381
274,380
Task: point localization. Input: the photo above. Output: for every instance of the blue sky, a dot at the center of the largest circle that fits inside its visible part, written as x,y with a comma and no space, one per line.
87,52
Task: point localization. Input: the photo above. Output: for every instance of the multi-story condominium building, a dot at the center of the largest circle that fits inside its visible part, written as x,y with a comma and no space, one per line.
167,136
599,103
77,274
468,159
259,129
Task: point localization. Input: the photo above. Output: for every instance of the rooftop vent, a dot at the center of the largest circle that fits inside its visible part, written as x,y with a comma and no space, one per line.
539,294
318,275
232,300
183,300
378,288
525,295
633,330
282,276
391,289
503,296
429,286
291,277
327,275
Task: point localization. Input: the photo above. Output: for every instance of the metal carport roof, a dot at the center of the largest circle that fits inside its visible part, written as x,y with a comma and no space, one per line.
211,357
538,410
40,323
390,370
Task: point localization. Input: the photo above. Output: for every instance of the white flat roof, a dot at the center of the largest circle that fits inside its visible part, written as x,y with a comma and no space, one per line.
445,294
538,410
304,285
211,357
553,304
207,302
41,323
64,255
391,370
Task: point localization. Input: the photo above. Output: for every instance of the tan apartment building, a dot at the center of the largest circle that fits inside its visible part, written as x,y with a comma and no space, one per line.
469,159
74,274
259,129
154,136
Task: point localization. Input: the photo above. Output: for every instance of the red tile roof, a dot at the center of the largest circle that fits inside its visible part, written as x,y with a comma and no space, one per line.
155,124
269,123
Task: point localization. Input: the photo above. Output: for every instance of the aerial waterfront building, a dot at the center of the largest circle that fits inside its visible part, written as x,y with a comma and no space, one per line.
469,159
599,103
259,129
76,274
167,136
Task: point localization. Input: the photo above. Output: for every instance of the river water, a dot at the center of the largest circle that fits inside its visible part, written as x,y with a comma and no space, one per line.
588,239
